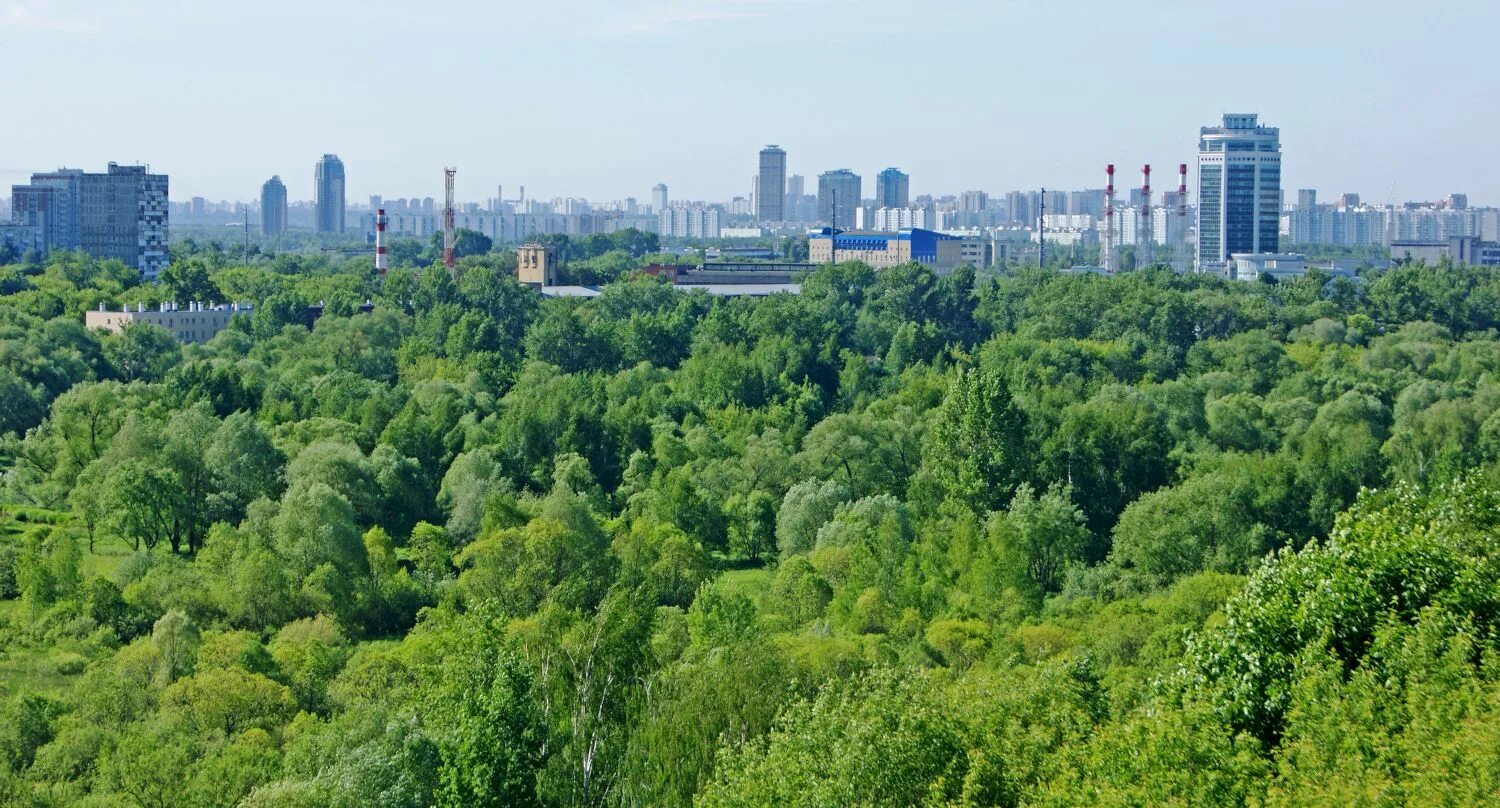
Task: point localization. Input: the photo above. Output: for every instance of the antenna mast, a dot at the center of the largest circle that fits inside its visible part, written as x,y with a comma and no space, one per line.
1041,237
450,238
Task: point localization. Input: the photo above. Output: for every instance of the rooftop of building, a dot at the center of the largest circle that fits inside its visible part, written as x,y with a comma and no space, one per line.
904,234
1240,124
716,289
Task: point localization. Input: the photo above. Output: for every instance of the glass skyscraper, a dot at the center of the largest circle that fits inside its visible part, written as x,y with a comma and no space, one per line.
328,193
838,197
770,197
273,207
892,189
1239,190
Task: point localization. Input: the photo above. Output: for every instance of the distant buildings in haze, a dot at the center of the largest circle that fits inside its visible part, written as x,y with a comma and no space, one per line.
1350,222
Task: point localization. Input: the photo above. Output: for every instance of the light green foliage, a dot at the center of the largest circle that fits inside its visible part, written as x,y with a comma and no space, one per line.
562,553
1034,542
1215,521
227,650
799,591
308,653
885,739
720,618
663,558
229,701
139,502
470,481
176,639
806,507
1385,564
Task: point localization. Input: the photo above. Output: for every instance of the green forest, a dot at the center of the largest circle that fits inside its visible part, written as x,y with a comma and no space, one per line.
902,539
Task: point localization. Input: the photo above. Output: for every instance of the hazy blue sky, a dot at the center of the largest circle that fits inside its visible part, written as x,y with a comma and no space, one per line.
601,99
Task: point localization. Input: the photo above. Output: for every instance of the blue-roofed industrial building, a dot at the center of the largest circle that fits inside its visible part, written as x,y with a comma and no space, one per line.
939,251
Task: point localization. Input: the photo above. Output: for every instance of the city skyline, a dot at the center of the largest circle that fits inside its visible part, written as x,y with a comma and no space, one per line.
234,120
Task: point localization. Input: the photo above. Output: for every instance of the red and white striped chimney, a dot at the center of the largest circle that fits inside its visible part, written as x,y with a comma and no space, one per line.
1182,189
380,261
1146,189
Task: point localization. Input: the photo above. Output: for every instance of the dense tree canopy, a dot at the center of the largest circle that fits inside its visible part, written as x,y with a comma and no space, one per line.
1035,538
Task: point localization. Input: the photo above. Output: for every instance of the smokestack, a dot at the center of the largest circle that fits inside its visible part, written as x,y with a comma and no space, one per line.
1147,237
1182,189
380,260
1109,220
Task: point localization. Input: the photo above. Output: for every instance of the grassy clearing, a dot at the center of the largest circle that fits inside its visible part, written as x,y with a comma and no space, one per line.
52,667
52,671
105,559
753,583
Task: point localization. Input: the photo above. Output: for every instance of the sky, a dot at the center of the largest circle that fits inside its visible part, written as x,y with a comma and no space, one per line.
1392,99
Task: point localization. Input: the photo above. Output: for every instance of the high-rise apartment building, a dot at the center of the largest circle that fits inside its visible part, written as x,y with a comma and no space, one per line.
892,189
689,221
273,207
658,198
1239,190
1021,207
1088,202
838,197
123,214
120,214
896,219
50,204
770,188
794,191
328,194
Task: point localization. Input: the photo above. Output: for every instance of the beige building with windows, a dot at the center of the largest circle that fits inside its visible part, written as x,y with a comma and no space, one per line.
536,265
197,322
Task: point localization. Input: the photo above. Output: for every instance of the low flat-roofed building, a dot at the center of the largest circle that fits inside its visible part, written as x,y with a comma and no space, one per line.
1281,266
1460,249
193,323
715,289
979,252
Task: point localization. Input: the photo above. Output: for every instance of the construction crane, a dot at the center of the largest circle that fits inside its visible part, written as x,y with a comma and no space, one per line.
450,236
